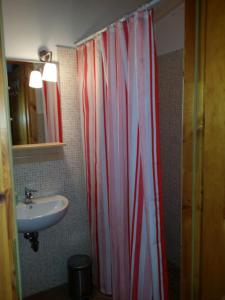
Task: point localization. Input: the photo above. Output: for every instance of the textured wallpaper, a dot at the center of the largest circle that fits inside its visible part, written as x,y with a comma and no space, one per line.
47,268
170,105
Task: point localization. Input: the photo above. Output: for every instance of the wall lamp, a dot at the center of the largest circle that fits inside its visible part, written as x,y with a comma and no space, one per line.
35,80
49,71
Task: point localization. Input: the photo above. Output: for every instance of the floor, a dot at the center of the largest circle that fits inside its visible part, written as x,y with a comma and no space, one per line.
174,282
60,293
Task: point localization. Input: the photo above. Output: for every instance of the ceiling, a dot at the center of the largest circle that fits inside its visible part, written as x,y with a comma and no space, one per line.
30,24
163,8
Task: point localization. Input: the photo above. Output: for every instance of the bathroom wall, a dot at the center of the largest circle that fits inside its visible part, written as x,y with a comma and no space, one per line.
47,268
169,31
170,68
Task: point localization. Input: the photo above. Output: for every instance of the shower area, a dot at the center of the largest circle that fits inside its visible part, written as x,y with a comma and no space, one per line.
131,123
113,133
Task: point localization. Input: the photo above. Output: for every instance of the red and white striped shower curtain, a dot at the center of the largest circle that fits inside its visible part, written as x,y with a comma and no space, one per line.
117,78
52,112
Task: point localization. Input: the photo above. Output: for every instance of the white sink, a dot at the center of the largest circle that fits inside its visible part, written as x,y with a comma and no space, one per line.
41,214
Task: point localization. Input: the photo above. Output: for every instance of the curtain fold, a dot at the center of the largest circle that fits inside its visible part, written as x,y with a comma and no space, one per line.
52,112
118,93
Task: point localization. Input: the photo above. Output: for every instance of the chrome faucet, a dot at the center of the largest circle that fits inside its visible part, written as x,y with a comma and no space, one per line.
29,195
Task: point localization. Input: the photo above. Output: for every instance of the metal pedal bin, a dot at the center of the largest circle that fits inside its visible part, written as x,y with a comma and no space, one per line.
79,277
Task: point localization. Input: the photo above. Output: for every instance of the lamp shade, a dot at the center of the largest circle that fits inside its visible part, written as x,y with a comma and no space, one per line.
50,72
35,80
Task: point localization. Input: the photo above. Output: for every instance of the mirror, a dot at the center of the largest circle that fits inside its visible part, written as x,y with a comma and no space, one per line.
35,113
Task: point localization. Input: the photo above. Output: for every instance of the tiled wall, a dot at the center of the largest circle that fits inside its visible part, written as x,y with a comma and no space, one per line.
47,268
170,105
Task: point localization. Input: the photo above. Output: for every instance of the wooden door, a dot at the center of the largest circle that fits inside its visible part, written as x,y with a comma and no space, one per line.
18,106
213,220
203,210
8,266
31,104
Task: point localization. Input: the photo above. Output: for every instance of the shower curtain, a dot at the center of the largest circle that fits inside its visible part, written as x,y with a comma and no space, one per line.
52,112
117,86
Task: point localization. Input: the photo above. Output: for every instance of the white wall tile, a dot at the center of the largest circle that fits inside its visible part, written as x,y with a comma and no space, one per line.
170,109
47,268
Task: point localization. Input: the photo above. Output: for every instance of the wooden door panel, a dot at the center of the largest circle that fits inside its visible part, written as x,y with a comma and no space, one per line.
203,218
213,226
8,288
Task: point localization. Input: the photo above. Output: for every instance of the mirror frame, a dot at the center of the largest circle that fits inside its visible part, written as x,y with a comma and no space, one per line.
48,146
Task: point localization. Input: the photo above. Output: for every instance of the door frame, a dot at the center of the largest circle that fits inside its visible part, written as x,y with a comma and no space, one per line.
193,148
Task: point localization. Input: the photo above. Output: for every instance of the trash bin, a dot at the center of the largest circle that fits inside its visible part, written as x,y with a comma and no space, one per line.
79,277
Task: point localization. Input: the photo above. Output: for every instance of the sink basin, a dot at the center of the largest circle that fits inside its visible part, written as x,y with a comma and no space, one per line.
44,212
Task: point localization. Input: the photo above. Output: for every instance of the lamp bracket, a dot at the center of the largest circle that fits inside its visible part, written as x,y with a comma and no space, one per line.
45,56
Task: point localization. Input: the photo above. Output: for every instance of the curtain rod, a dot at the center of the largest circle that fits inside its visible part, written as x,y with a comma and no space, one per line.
92,36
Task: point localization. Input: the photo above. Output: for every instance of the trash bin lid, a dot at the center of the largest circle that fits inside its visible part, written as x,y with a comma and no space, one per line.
79,262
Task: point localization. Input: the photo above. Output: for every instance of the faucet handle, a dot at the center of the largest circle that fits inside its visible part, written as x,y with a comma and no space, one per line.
29,191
